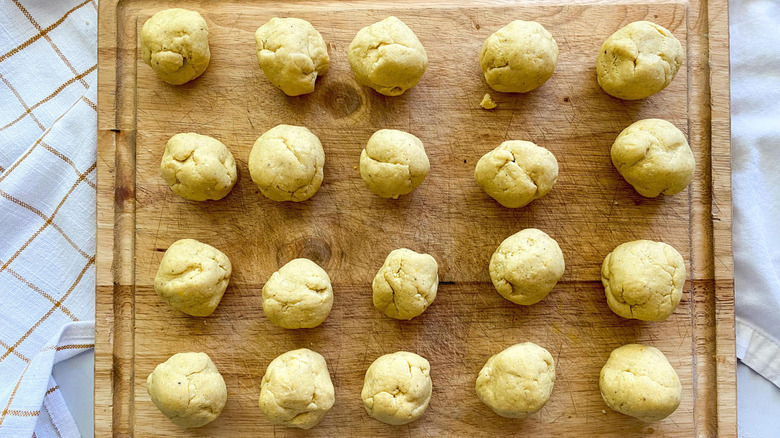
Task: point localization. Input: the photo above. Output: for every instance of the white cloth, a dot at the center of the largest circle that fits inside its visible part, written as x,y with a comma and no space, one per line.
48,76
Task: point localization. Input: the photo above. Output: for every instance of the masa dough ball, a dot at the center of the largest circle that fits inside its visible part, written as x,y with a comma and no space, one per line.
517,381
198,167
519,57
516,173
299,295
638,61
286,163
193,277
175,43
643,280
406,284
292,54
637,380
526,266
654,157
393,163
296,390
397,388
388,57
188,389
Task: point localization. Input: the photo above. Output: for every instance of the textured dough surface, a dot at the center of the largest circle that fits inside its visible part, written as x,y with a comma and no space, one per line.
526,266
638,61
397,388
519,57
286,163
393,163
193,277
198,167
388,57
516,173
175,43
299,295
188,389
654,157
643,280
639,381
406,284
517,381
292,54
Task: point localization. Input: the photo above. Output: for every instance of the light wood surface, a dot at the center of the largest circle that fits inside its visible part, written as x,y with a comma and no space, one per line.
349,231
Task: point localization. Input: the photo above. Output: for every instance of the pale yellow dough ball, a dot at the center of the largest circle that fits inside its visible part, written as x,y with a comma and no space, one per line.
175,43
517,381
639,381
393,163
388,57
292,54
397,388
643,280
519,57
406,284
193,277
296,390
198,167
188,389
638,61
299,295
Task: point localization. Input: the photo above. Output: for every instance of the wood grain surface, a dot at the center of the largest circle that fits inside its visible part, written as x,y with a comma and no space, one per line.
349,231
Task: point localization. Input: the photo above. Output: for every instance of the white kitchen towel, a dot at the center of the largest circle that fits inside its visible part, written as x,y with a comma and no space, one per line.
48,77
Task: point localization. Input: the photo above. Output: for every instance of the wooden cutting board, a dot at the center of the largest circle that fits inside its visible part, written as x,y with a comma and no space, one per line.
349,231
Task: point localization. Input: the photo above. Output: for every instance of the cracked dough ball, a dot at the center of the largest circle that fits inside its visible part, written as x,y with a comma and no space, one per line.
175,43
654,157
193,277
406,284
637,380
393,163
516,173
397,388
388,57
292,54
296,390
198,167
519,57
298,296
638,61
188,389
643,280
517,381
286,163
526,266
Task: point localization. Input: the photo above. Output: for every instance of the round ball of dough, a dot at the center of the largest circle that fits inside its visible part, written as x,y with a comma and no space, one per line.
175,43
526,266
643,280
406,284
388,57
637,380
296,390
198,167
397,388
519,57
516,173
517,381
193,277
638,61
298,295
188,389
286,163
292,54
393,163
654,157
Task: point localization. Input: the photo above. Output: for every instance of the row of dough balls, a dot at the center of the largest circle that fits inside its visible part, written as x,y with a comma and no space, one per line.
296,390
635,62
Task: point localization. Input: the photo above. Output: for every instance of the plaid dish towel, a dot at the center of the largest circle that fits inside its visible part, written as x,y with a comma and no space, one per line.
48,121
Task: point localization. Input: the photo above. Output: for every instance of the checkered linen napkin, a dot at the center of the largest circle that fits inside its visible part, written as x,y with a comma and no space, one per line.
48,77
